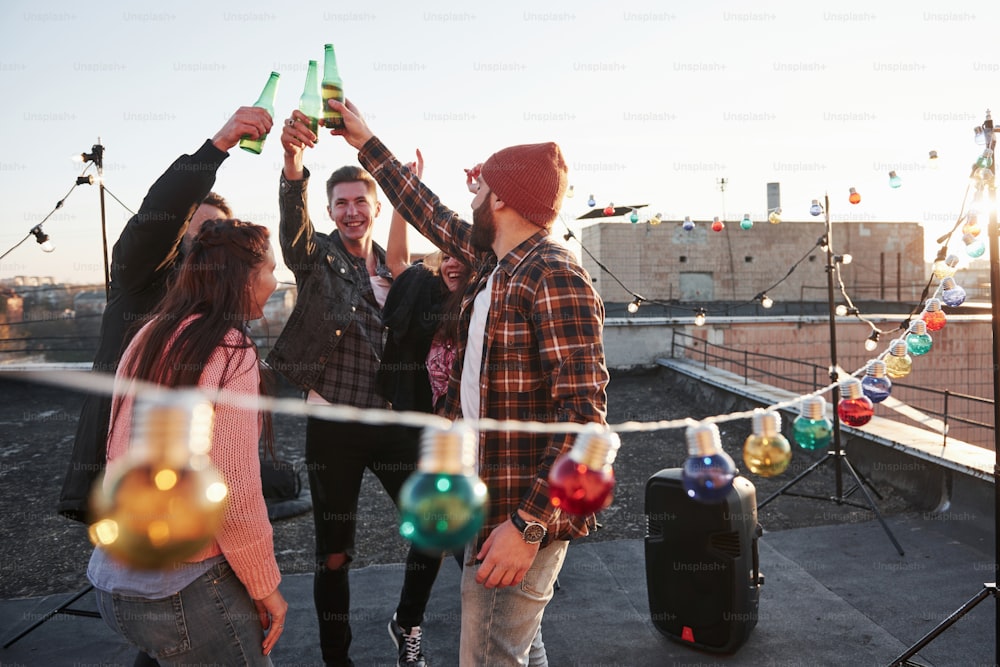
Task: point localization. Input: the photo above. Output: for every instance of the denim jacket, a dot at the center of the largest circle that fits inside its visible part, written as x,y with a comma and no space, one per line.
328,293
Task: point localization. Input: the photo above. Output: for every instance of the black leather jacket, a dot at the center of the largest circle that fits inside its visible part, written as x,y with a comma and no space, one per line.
328,294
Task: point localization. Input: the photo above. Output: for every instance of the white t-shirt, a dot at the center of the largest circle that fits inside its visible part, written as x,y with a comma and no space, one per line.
474,351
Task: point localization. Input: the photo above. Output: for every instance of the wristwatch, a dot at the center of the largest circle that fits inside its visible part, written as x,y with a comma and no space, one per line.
532,531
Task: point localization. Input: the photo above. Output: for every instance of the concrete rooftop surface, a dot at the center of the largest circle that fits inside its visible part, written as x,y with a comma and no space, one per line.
833,595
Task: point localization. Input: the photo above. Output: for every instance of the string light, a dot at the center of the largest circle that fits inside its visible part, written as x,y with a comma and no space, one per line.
766,451
872,341
699,317
898,362
945,267
634,218
717,225
688,224
854,197
42,238
766,301
855,409
974,247
708,472
918,341
609,209
812,429
933,160
746,223
591,202
816,208
952,294
933,315
774,217
580,482
656,219
894,180
569,192
633,306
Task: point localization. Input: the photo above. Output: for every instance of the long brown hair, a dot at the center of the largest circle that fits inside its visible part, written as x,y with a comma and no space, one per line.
212,285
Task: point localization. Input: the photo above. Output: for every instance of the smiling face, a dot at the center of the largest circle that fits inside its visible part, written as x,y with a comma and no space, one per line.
453,273
353,208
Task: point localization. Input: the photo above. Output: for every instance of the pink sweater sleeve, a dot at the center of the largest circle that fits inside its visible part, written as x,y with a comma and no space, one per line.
246,537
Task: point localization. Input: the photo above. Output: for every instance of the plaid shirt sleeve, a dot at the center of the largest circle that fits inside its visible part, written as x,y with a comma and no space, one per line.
569,319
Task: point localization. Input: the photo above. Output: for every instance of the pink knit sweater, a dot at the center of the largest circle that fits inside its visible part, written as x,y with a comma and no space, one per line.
245,538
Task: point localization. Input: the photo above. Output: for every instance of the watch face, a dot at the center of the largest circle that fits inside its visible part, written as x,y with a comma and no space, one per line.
534,533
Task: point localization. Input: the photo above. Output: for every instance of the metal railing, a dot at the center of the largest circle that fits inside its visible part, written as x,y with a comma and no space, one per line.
960,413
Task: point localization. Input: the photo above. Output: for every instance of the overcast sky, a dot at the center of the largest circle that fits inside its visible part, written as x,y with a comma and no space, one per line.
651,102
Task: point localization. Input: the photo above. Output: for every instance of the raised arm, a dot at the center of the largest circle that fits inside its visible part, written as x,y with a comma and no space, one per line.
151,238
296,234
397,249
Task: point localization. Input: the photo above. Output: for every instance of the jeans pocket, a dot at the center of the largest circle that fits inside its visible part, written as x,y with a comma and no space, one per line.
157,627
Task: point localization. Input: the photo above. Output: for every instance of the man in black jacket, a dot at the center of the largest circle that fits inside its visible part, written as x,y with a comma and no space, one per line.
150,247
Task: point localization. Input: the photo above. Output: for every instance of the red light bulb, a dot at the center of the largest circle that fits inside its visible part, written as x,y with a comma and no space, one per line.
717,225
933,315
854,409
854,197
581,481
609,209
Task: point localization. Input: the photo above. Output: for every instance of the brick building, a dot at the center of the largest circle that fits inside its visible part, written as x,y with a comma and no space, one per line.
666,263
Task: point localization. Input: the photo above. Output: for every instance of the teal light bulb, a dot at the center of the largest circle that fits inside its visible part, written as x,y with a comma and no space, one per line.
918,341
746,223
634,217
443,504
812,429
894,180
974,246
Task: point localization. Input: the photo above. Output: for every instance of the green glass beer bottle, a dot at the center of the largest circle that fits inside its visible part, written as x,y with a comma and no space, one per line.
311,104
333,89
265,101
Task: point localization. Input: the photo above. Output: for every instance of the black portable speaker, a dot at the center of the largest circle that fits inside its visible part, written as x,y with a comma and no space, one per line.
702,568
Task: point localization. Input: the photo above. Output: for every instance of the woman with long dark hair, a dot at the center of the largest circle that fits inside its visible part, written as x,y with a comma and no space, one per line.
222,606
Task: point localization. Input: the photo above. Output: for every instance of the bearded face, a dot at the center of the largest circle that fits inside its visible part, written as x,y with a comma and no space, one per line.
484,226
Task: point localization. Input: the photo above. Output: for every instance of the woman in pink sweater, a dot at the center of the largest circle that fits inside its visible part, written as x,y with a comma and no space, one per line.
222,606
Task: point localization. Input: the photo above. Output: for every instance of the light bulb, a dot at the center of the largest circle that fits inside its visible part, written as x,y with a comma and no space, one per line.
841,310
875,384
42,239
688,224
708,472
933,315
980,136
591,201
844,259
898,363
983,168
855,409
812,429
918,341
816,208
872,341
633,306
894,180
854,197
634,218
580,482
163,501
766,301
971,225
774,217
569,192
766,451
699,318
944,268
442,504
717,225
746,222
952,294
656,219
933,160
609,209
974,247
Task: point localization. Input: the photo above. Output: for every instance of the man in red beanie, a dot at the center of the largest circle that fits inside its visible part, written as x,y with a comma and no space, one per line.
530,349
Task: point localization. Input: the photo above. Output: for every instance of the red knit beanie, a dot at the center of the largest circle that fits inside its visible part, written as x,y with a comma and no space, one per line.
530,178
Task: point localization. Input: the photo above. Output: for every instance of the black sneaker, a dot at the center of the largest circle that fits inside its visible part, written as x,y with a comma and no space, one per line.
407,644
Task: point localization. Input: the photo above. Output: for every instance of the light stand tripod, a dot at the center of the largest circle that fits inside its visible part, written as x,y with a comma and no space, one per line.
836,453
989,588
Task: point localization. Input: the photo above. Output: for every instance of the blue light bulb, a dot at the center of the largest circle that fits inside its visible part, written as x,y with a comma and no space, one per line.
591,201
812,429
918,341
952,293
708,472
816,208
894,180
688,224
875,385
746,223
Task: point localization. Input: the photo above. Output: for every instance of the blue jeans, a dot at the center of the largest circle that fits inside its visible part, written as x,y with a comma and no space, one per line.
502,627
211,621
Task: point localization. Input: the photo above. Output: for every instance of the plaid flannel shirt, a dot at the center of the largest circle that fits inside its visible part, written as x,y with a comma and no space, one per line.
543,355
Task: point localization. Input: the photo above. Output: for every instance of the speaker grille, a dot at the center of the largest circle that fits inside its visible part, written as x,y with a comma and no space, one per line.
727,543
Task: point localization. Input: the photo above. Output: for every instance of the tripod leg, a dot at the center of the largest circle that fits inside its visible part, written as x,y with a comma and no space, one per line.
903,659
871,503
794,481
58,610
